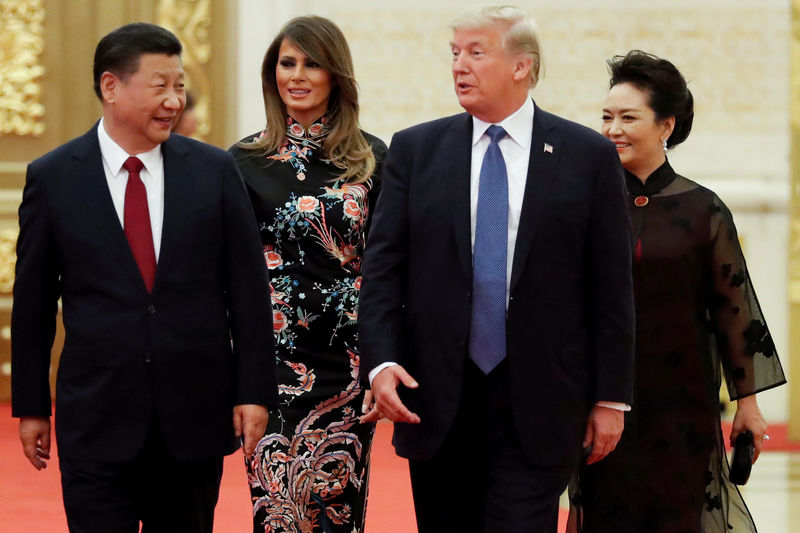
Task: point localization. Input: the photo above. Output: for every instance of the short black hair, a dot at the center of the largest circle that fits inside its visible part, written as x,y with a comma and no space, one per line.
119,51
665,85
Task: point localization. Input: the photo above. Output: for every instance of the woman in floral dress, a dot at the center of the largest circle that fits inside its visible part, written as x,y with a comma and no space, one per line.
697,320
312,176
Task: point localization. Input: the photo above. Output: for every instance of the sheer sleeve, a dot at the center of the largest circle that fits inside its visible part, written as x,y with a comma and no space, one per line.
746,350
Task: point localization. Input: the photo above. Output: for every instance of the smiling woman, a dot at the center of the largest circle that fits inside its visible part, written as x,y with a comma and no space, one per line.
303,85
698,320
312,176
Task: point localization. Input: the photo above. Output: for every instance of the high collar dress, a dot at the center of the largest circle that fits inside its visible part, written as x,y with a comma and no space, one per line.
310,471
698,320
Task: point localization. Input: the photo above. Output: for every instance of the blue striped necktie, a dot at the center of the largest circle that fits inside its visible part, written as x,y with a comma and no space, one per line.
487,337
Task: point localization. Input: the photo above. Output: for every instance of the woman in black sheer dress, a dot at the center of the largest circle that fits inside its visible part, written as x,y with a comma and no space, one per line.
312,175
698,320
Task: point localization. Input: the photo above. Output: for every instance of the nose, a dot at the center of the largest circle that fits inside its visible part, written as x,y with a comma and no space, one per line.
174,100
460,63
614,127
298,73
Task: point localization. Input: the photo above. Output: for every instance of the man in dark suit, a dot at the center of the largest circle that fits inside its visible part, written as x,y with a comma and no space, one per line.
151,244
497,274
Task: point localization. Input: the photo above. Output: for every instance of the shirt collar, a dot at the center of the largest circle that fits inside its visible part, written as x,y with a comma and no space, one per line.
517,125
115,156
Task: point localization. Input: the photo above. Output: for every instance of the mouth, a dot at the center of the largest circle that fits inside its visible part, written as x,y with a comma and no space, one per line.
165,121
622,145
462,86
299,92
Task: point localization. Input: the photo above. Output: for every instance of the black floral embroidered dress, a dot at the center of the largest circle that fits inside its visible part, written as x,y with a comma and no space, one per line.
697,319
310,471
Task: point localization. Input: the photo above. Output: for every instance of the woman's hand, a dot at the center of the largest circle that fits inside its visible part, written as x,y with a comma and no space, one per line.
748,416
366,405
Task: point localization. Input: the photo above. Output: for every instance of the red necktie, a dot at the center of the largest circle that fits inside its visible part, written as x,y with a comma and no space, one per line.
137,222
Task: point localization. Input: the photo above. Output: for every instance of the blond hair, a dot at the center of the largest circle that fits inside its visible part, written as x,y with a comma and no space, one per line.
521,35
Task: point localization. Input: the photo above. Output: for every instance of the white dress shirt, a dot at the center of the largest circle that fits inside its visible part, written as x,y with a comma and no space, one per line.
117,178
516,150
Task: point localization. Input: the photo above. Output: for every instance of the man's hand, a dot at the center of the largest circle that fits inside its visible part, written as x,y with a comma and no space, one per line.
603,431
250,421
34,432
387,402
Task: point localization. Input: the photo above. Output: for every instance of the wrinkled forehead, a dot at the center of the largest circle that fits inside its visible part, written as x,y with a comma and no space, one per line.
491,34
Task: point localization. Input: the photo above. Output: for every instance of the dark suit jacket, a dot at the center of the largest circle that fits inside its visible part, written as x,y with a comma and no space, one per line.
570,314
132,358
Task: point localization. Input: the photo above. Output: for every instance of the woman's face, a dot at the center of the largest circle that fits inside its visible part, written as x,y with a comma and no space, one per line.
630,122
303,85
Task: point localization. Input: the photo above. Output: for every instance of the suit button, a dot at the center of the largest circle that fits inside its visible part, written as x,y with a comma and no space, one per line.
151,309
148,357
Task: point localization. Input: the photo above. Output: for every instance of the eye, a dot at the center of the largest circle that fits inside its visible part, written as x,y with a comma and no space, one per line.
287,63
606,117
628,118
312,64
477,52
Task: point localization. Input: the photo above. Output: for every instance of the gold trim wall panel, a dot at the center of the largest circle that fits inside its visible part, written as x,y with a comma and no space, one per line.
21,46
190,20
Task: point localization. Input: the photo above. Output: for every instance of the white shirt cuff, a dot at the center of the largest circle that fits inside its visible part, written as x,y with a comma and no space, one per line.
619,406
375,371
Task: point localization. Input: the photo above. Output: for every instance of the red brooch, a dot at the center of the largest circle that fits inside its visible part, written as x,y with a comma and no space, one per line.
641,201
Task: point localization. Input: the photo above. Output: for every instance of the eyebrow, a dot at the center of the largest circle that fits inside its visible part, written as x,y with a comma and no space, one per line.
470,43
624,110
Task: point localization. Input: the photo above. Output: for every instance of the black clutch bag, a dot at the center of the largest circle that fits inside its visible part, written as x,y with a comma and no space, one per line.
744,450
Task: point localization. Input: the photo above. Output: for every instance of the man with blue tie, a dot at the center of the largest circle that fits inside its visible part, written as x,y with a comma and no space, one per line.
496,317
151,243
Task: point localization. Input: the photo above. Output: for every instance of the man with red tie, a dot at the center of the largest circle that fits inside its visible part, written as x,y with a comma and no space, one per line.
151,244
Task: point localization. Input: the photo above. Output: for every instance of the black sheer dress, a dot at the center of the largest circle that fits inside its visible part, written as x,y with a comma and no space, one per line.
697,319
310,471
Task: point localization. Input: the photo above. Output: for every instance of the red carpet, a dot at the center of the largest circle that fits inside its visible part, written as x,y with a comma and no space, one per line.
30,501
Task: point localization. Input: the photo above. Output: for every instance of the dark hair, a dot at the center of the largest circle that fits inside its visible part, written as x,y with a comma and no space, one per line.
119,51
668,94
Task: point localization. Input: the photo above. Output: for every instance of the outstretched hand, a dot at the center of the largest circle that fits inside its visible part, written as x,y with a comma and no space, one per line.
386,400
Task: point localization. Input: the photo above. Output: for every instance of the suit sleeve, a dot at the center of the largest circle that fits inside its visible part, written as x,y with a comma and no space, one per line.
37,288
611,301
249,308
381,316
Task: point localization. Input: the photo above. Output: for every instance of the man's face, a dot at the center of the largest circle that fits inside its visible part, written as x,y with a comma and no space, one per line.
484,73
142,109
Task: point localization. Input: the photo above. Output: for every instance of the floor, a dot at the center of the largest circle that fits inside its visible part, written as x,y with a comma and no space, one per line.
30,501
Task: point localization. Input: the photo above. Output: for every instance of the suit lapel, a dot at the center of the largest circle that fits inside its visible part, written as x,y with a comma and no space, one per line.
178,188
546,149
92,186
457,146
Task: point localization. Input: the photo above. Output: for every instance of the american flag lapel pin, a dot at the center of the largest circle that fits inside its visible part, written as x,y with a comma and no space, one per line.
548,148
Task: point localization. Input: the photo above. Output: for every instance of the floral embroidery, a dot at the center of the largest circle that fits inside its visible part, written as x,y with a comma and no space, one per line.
318,465
309,472
300,144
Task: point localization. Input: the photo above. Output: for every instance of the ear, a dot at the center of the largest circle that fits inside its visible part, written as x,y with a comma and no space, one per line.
522,68
667,125
109,84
